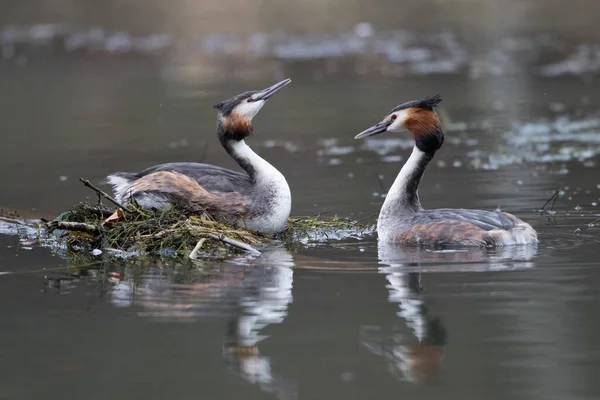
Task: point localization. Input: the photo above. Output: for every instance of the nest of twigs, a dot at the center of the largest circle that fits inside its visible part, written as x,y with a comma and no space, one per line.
167,233
175,233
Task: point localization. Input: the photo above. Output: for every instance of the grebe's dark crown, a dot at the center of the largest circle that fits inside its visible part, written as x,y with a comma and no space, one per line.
428,103
235,115
227,106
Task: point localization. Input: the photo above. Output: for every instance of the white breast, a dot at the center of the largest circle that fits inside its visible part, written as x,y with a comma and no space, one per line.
274,186
279,205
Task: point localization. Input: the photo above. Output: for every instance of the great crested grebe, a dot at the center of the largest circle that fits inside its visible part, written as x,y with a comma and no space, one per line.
259,199
402,220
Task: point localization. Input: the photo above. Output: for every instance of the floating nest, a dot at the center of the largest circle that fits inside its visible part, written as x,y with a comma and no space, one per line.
132,232
173,233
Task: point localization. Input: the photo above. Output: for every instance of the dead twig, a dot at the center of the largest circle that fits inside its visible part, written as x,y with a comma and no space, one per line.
73,226
317,215
97,210
104,194
194,252
366,218
234,243
552,199
158,235
12,221
550,212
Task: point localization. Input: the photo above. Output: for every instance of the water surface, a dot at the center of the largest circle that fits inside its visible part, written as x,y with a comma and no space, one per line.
344,319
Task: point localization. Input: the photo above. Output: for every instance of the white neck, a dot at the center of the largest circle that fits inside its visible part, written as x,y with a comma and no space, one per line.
261,171
403,196
271,191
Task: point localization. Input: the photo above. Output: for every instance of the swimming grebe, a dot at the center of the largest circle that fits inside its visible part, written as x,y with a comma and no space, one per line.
259,199
402,220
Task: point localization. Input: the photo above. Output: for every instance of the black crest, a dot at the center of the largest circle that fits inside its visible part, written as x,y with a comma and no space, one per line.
226,107
428,103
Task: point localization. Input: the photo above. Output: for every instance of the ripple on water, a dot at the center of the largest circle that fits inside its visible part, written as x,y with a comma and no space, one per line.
563,139
544,143
568,230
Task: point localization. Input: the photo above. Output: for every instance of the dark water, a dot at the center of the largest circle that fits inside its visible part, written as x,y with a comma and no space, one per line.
345,319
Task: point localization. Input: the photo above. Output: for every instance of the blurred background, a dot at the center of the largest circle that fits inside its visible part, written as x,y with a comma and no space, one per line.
91,87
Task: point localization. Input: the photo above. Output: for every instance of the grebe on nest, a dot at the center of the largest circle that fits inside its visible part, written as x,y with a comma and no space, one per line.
402,220
258,199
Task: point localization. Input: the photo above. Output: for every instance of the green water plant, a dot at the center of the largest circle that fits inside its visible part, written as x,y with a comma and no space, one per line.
175,233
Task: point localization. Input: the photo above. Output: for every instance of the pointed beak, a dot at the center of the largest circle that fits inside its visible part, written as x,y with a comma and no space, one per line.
374,130
270,91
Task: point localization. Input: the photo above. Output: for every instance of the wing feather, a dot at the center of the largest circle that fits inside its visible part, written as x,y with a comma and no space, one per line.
187,192
486,220
210,177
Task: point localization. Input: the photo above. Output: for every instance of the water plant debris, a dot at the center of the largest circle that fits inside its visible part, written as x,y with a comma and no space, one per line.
100,230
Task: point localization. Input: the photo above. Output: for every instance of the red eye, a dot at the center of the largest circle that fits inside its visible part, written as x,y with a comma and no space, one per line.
249,100
393,117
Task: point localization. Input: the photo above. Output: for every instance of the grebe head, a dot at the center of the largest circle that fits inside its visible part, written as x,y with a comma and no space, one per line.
416,116
236,113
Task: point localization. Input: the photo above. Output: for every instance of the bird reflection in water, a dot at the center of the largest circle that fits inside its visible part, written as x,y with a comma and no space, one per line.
265,304
417,356
251,294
